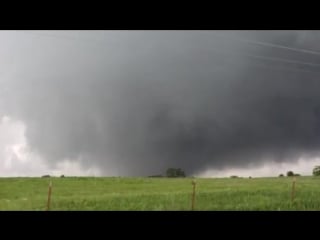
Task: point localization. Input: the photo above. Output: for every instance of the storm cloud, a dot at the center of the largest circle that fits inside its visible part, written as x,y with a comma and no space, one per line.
137,102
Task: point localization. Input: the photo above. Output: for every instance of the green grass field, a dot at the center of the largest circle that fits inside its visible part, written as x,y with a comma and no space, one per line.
82,193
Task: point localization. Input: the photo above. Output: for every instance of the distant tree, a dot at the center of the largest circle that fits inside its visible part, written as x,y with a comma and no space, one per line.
45,176
290,174
175,172
250,177
62,176
181,173
316,171
233,176
281,175
297,175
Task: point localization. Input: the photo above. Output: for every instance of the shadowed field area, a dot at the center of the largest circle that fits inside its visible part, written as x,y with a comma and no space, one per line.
115,193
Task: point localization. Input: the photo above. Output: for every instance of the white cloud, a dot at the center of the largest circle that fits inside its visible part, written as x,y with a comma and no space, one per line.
16,158
73,168
303,166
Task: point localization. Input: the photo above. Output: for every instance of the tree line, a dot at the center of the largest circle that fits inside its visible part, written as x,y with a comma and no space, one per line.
172,173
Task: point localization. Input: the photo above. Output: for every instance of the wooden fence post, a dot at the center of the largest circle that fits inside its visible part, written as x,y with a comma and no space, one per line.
193,195
293,189
49,196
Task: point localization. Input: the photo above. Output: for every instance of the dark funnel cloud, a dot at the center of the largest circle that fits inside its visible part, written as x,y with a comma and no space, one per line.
138,102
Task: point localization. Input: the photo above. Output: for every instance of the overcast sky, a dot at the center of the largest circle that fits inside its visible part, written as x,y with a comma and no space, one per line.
134,103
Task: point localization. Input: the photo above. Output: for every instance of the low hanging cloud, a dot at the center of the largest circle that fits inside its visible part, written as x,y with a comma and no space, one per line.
138,102
17,160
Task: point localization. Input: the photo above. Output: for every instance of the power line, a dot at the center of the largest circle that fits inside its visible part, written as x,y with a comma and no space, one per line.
237,38
277,67
280,60
248,55
265,58
213,49
262,65
281,46
286,68
276,45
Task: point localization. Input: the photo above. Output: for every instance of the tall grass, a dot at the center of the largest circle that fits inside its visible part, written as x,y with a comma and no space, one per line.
73,193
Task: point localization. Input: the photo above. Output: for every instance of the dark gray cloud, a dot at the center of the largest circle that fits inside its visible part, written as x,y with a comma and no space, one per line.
138,102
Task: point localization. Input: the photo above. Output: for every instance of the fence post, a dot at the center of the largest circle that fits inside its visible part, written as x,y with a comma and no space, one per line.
193,195
293,189
49,196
